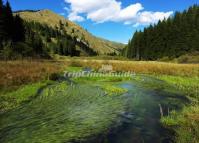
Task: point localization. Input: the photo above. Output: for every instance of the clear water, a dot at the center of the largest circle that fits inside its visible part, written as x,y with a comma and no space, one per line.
141,121
83,113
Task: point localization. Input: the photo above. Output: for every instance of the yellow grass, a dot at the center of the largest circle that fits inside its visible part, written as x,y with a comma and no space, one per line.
144,67
16,73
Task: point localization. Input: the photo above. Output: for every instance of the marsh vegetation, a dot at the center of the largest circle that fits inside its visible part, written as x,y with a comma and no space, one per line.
98,109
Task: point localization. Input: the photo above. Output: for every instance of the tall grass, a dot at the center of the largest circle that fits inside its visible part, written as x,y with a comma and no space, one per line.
158,68
17,73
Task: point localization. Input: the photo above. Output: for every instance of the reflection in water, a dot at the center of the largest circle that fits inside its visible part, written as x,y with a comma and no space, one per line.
78,112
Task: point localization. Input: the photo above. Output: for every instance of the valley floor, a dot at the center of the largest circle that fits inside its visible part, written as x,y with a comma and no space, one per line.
20,82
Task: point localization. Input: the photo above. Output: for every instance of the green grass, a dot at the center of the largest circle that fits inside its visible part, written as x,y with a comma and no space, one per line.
113,90
185,122
101,79
108,84
11,100
73,69
188,85
52,90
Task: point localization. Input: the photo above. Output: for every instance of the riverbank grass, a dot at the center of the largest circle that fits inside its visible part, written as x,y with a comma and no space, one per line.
186,122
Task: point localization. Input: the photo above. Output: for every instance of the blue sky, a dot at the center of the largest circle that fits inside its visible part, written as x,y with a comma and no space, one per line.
114,20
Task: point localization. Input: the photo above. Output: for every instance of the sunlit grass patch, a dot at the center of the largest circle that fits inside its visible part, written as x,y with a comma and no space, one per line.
73,69
101,79
171,120
189,85
53,90
185,122
108,84
113,90
10,100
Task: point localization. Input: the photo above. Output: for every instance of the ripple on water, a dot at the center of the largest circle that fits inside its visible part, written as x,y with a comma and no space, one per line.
80,113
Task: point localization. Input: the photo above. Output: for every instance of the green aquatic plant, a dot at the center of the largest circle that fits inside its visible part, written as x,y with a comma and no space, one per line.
113,90
13,99
101,79
108,84
64,112
51,90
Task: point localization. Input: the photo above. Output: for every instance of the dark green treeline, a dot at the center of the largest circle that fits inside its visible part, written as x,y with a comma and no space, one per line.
176,36
11,27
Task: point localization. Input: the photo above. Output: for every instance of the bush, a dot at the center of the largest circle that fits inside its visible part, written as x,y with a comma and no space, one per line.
191,58
165,59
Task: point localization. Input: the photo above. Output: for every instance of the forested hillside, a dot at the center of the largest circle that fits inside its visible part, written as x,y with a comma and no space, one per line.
24,34
21,39
176,36
12,31
96,44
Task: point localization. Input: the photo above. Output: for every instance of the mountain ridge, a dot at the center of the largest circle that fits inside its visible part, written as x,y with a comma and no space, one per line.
48,17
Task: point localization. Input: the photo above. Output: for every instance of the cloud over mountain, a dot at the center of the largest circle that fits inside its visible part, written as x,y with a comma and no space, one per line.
101,11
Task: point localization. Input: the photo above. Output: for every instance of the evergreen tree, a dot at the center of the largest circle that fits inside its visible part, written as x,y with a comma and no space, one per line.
9,21
19,39
2,24
171,38
19,30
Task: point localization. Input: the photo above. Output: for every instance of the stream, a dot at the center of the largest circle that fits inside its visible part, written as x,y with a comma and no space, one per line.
84,113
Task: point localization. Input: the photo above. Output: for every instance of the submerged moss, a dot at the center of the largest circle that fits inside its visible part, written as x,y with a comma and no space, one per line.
11,100
113,90
64,113
101,79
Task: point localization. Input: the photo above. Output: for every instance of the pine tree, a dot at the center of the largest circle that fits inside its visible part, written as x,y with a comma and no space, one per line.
19,30
2,24
9,21
171,38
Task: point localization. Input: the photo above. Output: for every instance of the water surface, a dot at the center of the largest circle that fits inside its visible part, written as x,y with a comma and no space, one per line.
85,113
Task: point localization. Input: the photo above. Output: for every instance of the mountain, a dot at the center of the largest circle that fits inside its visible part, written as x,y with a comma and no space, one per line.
53,20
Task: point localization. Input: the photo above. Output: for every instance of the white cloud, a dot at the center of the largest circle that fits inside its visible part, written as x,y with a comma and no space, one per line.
130,12
111,10
148,17
74,17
